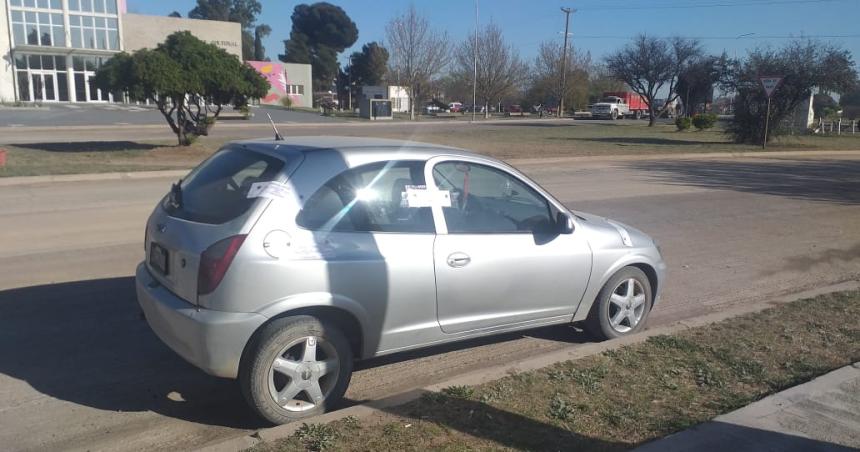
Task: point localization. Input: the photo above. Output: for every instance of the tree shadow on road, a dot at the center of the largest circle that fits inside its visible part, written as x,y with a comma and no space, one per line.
835,181
91,146
86,343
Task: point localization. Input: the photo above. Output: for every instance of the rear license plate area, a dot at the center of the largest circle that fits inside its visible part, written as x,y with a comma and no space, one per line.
159,258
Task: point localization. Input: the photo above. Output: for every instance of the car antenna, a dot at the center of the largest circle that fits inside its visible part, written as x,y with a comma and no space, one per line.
278,136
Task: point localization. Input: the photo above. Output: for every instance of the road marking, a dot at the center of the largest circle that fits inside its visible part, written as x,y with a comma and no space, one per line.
122,123
15,125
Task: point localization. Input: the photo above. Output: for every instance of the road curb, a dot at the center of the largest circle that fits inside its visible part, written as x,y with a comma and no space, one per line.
572,352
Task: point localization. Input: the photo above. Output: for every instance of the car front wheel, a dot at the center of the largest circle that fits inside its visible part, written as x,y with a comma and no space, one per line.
622,306
295,368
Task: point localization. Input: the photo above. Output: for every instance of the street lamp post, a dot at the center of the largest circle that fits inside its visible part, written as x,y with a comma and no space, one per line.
566,12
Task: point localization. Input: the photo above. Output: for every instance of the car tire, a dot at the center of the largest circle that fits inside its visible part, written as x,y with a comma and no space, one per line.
305,348
614,115
616,312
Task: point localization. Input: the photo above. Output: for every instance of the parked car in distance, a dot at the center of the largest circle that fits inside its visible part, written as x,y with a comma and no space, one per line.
279,263
455,107
514,109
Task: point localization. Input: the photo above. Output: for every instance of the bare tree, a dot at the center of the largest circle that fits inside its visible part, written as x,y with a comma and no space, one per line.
649,64
545,86
500,69
417,53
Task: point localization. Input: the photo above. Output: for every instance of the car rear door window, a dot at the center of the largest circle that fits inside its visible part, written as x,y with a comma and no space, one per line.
488,200
369,198
217,191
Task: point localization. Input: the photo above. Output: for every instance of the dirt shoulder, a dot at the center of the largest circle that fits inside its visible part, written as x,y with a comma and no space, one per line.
620,398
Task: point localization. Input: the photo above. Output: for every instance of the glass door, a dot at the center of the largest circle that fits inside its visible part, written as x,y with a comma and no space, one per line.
44,86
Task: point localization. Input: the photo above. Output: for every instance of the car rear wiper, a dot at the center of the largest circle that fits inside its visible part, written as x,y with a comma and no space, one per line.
176,195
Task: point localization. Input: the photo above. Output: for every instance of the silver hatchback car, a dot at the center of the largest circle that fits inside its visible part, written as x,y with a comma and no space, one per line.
280,262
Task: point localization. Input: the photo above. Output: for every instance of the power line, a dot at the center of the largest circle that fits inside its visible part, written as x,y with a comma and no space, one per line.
705,5
756,37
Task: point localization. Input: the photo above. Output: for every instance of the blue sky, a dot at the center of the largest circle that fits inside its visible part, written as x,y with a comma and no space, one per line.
599,26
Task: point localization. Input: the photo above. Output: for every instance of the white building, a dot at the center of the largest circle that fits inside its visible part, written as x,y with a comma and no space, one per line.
50,49
397,94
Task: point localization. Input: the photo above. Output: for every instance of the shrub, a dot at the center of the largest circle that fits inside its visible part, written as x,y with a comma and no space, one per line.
704,121
287,102
683,123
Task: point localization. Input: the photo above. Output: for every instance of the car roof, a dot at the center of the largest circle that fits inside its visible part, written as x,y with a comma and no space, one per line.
356,148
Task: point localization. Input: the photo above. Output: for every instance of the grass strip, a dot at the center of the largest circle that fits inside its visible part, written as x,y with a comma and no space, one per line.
620,398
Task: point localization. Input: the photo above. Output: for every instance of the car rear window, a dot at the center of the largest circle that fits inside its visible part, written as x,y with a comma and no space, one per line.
217,190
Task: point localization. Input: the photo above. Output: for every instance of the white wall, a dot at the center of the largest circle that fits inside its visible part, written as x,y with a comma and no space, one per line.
301,74
7,66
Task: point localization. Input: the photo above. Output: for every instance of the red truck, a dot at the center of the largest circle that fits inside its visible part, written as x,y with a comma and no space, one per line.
618,104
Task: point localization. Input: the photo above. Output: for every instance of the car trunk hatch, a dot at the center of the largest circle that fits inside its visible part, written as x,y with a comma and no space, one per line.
209,205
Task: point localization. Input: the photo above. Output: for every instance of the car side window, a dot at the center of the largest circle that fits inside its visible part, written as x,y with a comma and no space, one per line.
489,200
369,198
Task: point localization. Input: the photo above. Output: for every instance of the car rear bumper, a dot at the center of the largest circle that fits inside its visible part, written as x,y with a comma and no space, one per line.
211,340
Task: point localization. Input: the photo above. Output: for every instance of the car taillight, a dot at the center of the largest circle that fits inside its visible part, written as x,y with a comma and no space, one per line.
215,261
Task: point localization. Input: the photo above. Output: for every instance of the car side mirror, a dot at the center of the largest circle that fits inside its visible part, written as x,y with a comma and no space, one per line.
564,222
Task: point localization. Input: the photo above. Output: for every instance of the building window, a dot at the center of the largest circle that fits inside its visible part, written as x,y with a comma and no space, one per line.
41,78
93,6
84,69
93,32
296,89
37,28
41,4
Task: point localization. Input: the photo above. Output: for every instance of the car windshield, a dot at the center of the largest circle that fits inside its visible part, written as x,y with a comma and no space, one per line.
217,191
610,100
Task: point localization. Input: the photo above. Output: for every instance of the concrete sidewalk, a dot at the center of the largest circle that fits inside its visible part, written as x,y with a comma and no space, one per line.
821,415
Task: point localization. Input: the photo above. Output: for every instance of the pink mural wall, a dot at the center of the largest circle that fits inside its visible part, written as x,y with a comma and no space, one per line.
276,75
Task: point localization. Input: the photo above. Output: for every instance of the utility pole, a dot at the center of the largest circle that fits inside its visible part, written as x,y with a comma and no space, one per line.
566,12
475,75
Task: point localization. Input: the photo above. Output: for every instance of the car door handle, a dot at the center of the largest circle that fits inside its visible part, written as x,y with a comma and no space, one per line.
457,260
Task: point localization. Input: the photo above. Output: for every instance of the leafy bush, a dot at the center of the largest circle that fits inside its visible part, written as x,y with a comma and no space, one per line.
287,102
683,123
704,121
316,437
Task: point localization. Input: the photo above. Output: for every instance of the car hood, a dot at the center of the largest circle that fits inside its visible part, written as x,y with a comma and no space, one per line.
606,232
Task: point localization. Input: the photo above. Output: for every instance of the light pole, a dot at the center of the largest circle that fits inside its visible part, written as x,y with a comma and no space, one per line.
566,12
349,84
475,75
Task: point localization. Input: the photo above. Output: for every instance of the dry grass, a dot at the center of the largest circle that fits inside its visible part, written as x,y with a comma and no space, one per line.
513,139
621,398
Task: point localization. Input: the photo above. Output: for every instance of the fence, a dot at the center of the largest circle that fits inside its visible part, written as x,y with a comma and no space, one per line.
837,127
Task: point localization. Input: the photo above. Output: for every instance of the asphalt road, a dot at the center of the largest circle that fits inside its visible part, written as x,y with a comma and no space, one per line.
80,370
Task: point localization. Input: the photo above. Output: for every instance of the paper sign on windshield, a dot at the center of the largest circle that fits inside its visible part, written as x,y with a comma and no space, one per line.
271,190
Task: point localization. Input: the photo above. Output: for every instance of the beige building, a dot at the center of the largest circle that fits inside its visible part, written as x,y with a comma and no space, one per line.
146,32
51,49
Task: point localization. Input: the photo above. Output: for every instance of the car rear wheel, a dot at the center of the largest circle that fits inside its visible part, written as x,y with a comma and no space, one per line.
622,306
614,115
295,368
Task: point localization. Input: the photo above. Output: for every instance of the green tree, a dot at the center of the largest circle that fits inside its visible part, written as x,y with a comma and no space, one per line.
244,12
320,32
260,33
823,104
850,102
190,81
696,82
369,66
175,14
804,65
